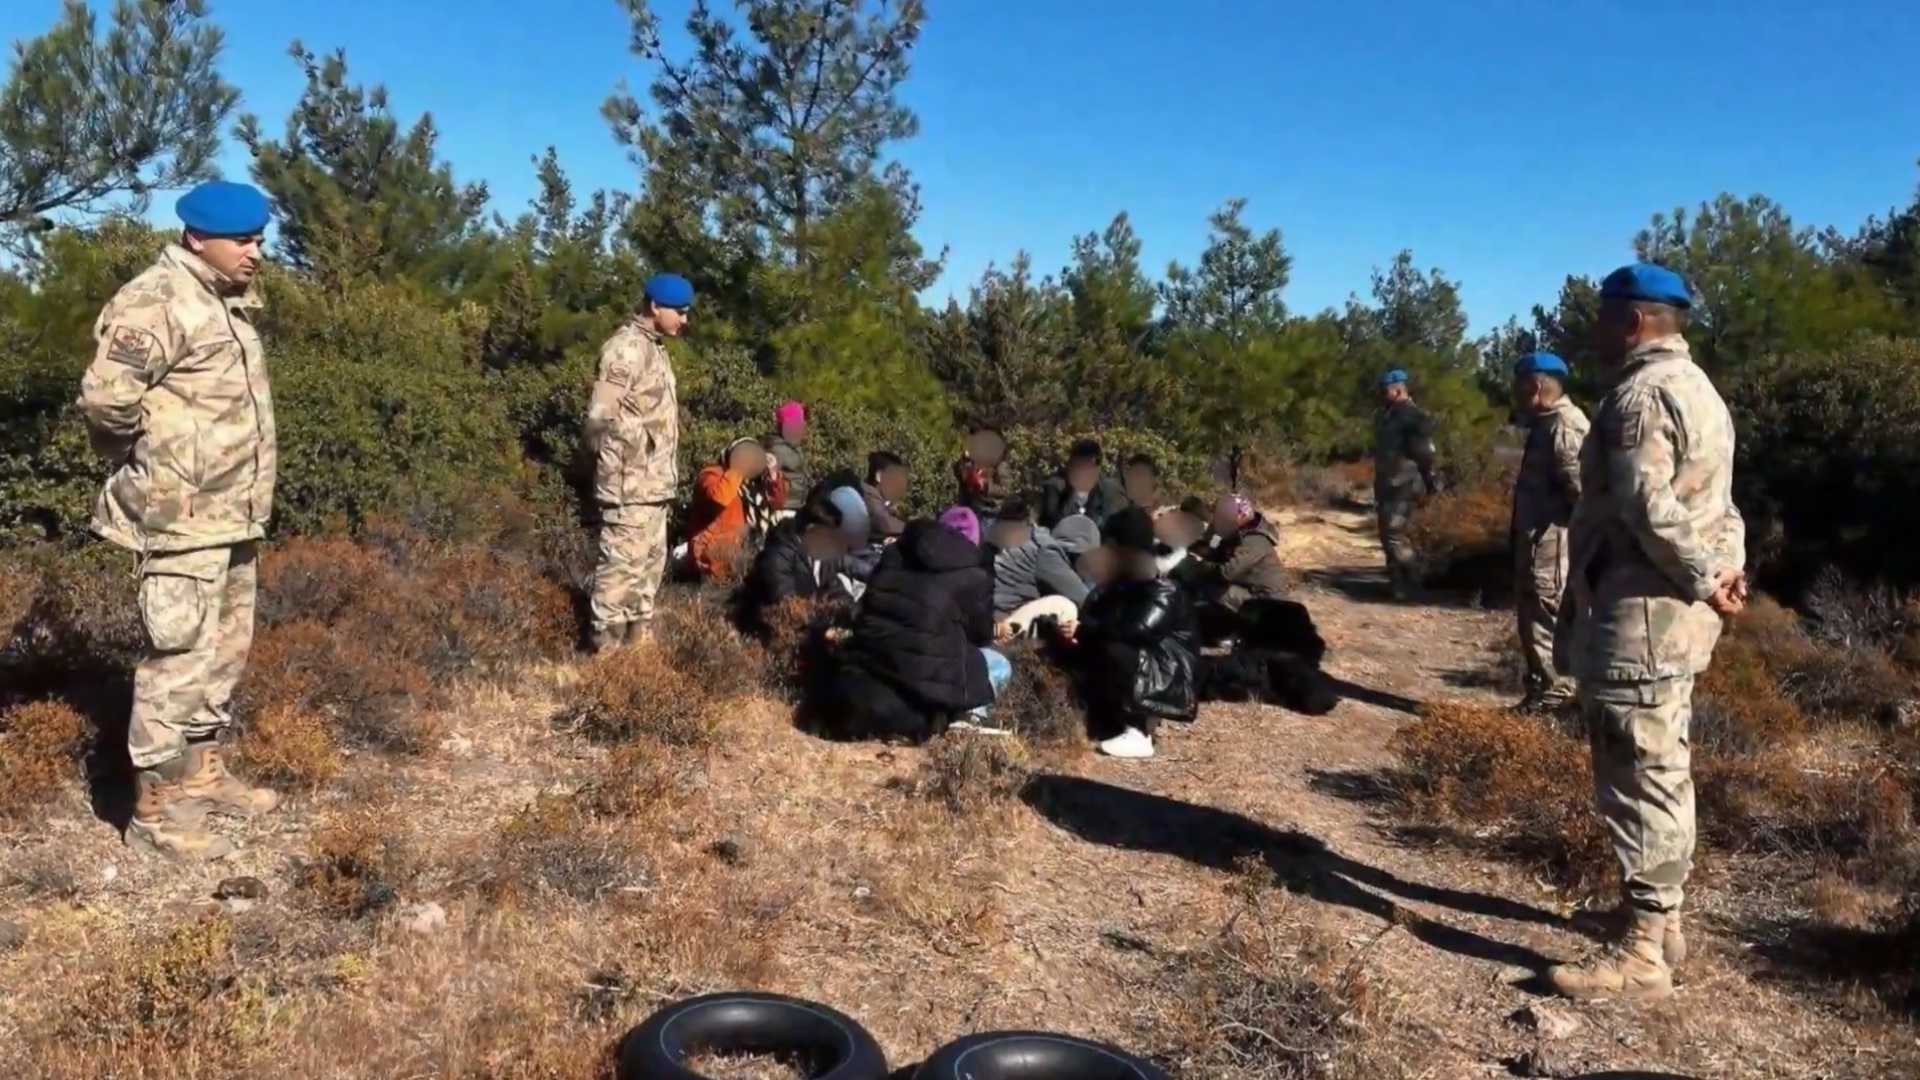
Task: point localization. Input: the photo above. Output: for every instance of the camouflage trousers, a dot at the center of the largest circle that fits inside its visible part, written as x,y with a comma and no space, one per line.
1537,594
197,610
632,562
1643,782
1392,509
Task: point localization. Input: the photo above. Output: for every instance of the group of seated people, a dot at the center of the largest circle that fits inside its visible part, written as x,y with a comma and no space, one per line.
1122,590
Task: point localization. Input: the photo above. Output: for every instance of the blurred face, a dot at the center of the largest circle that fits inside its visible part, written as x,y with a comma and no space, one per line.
985,448
1616,330
1528,394
670,321
1008,534
794,431
1081,474
1097,565
1393,393
823,542
236,257
1141,484
892,483
1138,565
1177,529
1226,522
748,459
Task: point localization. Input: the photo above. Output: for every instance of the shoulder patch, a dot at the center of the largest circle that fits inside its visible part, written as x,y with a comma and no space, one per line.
132,346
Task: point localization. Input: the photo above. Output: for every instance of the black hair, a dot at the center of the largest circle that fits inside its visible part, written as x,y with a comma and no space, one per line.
880,461
1144,461
819,510
1014,510
1195,506
1086,450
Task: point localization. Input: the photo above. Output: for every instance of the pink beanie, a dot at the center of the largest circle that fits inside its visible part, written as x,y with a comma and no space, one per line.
963,521
791,412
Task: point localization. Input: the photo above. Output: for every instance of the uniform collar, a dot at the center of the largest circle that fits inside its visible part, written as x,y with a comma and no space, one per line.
212,280
1666,347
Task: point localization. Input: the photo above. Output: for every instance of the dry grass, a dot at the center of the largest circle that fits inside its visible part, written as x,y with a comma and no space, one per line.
1277,994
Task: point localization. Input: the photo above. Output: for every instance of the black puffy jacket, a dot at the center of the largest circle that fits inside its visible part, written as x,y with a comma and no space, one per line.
1151,624
926,614
781,571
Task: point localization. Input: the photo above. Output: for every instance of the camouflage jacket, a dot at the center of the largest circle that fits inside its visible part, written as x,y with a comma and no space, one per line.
1403,452
633,424
177,399
1546,492
1654,523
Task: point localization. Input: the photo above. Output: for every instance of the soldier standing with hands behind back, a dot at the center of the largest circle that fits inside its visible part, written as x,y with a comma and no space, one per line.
633,433
1543,499
1657,550
177,399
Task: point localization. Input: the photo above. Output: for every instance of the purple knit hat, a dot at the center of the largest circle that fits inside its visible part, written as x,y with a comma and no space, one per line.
963,521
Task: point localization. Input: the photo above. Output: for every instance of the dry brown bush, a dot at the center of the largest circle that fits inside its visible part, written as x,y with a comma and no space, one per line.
969,772
357,866
696,629
41,744
639,693
1039,702
1471,764
1461,536
290,747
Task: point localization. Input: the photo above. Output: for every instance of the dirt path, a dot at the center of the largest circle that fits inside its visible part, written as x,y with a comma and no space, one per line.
804,869
1458,937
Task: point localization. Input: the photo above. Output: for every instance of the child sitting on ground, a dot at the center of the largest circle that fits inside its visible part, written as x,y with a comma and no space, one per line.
1134,646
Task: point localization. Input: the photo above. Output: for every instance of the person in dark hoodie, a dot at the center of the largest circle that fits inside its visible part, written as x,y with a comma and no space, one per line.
1134,650
1031,564
1080,488
1245,564
804,556
885,485
918,658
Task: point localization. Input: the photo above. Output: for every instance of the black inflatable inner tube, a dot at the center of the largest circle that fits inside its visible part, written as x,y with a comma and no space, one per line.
824,1043
1033,1055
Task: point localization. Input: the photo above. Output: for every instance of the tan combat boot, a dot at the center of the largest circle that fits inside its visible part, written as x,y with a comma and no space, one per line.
157,823
209,788
1612,922
1630,969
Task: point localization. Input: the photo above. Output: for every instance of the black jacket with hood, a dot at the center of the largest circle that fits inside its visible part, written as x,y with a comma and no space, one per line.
926,614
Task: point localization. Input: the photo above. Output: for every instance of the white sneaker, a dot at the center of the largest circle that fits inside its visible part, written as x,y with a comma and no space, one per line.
1131,743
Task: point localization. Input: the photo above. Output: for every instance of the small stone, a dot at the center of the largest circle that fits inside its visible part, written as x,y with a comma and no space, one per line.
425,918
458,745
1551,1023
240,888
109,872
12,935
238,905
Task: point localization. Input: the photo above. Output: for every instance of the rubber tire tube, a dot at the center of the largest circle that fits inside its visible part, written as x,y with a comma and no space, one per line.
831,1043
1033,1055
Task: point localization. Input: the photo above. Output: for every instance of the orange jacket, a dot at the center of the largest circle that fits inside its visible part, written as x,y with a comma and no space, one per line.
717,518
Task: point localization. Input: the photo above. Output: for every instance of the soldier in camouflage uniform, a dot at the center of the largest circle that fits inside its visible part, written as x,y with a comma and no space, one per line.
633,433
1543,501
176,397
1403,457
1656,550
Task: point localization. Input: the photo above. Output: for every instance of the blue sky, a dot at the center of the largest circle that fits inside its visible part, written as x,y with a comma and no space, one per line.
1507,142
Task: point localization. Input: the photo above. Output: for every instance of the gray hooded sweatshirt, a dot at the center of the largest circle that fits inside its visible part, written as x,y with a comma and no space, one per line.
1043,566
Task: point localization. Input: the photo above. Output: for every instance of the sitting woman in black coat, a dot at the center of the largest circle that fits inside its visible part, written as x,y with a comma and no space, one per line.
917,659
1134,648
803,557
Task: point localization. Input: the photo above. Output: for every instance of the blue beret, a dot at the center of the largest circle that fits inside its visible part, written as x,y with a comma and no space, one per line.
224,208
1649,282
1540,363
1391,376
670,290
